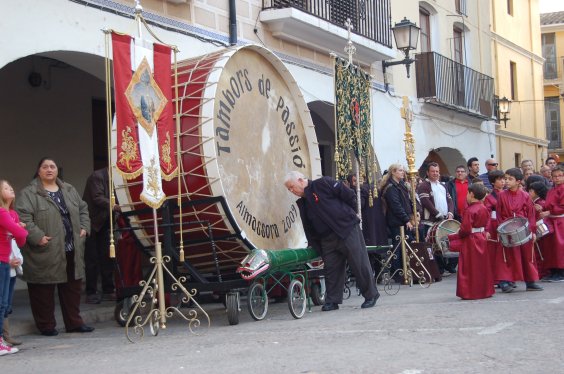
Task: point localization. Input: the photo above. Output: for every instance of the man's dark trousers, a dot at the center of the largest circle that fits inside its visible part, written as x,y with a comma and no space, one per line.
336,253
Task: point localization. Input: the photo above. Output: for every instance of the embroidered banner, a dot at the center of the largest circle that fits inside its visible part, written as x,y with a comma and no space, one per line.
352,107
144,115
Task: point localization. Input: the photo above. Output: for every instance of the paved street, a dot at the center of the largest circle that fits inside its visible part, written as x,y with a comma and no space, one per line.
416,331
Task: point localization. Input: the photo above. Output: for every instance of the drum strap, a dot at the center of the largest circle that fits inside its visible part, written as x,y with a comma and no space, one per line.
477,229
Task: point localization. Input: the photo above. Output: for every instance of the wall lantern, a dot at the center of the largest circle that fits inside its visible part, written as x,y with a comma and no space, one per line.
504,105
406,35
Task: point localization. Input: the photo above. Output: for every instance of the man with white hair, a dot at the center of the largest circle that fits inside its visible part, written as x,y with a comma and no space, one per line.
327,209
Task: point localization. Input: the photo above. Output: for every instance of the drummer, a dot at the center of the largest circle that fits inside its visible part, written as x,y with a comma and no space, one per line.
497,180
474,279
555,215
516,263
537,191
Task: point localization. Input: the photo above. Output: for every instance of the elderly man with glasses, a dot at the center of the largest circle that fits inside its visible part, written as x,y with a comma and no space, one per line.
491,165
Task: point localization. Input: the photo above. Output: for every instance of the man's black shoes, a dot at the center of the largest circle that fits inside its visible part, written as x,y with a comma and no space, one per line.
329,306
82,328
369,303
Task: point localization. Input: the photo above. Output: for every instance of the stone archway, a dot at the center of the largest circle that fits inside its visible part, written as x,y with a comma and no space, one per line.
323,117
447,158
50,102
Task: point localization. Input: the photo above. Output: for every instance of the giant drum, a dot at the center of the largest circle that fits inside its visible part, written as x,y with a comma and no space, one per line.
244,126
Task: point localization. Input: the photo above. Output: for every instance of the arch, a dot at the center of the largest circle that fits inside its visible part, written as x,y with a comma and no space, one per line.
54,105
447,158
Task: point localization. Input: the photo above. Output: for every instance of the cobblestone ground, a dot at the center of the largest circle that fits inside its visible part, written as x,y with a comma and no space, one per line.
416,331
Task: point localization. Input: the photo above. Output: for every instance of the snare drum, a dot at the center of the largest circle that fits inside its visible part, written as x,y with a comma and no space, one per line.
514,232
438,236
542,229
244,126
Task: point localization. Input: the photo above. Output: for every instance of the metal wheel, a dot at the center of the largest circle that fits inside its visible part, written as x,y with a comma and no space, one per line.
296,298
154,319
346,292
232,305
122,310
257,301
317,294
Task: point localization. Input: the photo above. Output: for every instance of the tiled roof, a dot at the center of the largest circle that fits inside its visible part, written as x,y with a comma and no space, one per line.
553,18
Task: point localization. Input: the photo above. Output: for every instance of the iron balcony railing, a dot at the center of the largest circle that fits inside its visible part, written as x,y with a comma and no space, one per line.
369,18
445,82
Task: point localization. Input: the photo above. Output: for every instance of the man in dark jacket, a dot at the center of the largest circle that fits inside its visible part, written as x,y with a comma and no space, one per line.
331,225
96,257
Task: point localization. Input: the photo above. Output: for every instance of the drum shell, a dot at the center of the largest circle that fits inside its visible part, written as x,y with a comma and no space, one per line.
542,229
514,232
438,235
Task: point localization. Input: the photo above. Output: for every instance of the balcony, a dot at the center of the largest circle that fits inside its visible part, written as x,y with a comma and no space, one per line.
320,24
447,83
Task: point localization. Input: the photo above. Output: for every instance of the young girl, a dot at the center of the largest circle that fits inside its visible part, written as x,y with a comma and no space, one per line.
10,229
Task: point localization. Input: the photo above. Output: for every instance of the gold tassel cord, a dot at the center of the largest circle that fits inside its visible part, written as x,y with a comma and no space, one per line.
112,248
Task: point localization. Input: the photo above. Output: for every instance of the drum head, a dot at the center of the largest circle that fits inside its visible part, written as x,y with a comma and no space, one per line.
262,130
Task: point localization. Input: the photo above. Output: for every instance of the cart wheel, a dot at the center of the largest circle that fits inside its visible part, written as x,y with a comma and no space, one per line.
296,298
122,310
154,323
317,296
346,292
232,305
257,301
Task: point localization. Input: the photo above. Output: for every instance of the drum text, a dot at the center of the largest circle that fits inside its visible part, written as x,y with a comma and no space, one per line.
238,84
290,127
290,219
265,230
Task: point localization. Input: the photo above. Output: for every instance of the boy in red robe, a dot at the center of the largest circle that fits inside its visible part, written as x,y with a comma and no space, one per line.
497,180
516,263
474,278
554,209
537,191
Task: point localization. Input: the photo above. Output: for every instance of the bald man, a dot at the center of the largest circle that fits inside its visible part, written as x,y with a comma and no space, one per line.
491,165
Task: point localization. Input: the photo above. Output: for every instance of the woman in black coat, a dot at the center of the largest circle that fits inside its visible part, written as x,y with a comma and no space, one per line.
398,207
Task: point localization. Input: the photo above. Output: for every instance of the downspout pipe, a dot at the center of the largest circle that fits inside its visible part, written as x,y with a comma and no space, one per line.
232,23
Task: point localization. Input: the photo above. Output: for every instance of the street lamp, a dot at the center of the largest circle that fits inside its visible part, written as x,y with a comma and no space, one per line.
504,105
406,35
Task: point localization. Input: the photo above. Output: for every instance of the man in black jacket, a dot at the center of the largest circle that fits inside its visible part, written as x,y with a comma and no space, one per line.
331,225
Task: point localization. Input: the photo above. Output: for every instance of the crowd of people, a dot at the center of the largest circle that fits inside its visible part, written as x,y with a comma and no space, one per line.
482,202
479,202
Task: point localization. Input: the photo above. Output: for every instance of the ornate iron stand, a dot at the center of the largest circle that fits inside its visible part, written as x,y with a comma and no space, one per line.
406,272
152,296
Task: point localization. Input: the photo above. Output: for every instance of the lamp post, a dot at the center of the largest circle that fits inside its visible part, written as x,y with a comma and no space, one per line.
504,105
406,35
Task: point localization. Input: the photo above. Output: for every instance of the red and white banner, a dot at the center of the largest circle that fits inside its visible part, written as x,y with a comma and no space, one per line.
144,115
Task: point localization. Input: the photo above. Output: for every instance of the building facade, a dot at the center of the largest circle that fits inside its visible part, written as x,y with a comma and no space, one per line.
53,71
518,64
552,28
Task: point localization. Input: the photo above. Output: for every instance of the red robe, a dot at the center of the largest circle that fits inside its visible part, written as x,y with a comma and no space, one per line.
541,244
554,258
494,246
474,278
518,262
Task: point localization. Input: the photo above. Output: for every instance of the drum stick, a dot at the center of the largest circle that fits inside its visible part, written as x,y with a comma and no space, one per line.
538,249
449,230
504,258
